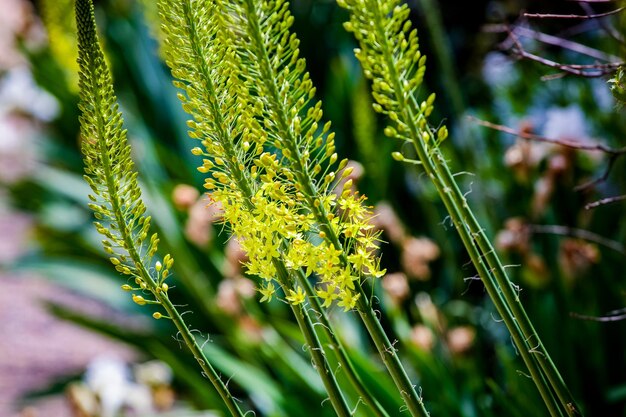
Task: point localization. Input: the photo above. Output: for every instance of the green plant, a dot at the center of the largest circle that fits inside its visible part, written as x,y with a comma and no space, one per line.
273,168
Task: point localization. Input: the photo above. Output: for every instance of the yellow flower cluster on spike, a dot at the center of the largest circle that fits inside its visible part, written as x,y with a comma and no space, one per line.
276,230
261,161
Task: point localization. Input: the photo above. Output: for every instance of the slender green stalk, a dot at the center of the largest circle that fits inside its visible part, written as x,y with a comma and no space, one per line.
339,349
411,117
207,369
215,101
387,351
509,293
317,353
389,355
294,141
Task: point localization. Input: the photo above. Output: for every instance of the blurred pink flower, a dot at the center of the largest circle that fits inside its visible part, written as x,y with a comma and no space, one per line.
15,230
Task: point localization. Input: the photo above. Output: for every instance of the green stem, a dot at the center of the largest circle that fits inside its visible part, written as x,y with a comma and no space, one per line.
390,357
196,350
315,347
245,187
129,244
492,288
161,296
445,185
385,349
509,293
338,348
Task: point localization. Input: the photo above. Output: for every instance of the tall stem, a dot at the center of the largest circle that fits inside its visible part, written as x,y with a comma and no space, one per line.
390,358
315,347
339,349
406,110
509,293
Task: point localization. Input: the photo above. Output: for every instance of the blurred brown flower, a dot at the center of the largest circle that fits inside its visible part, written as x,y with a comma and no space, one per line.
576,257
515,236
396,286
460,339
422,337
416,255
199,227
184,196
235,257
386,219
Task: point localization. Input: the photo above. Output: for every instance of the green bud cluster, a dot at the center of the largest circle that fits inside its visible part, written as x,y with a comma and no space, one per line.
396,76
109,170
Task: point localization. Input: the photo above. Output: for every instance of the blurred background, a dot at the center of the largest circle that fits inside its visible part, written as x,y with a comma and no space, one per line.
73,344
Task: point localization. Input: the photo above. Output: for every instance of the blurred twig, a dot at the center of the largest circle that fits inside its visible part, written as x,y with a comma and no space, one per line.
586,70
592,1
604,201
572,144
551,40
613,153
578,233
572,16
610,30
608,318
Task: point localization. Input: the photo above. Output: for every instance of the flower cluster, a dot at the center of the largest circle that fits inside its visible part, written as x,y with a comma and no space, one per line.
268,160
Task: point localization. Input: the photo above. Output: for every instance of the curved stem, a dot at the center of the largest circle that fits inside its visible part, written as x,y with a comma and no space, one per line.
310,191
508,293
496,283
208,370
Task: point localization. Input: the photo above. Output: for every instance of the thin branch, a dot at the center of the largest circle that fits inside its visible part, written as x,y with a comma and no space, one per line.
600,319
573,16
552,40
600,179
610,30
571,144
588,70
613,153
605,201
578,233
592,1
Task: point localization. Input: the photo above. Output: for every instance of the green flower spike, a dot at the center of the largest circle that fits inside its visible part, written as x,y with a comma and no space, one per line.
247,181
116,199
390,57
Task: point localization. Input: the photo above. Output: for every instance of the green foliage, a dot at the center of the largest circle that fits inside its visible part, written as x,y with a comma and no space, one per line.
618,85
270,371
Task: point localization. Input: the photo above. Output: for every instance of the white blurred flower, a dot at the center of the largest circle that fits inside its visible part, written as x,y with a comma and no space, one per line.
110,379
153,373
18,91
499,70
566,123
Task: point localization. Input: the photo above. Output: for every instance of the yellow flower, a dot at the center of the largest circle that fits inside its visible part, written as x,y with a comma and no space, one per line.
348,300
296,298
268,292
328,295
